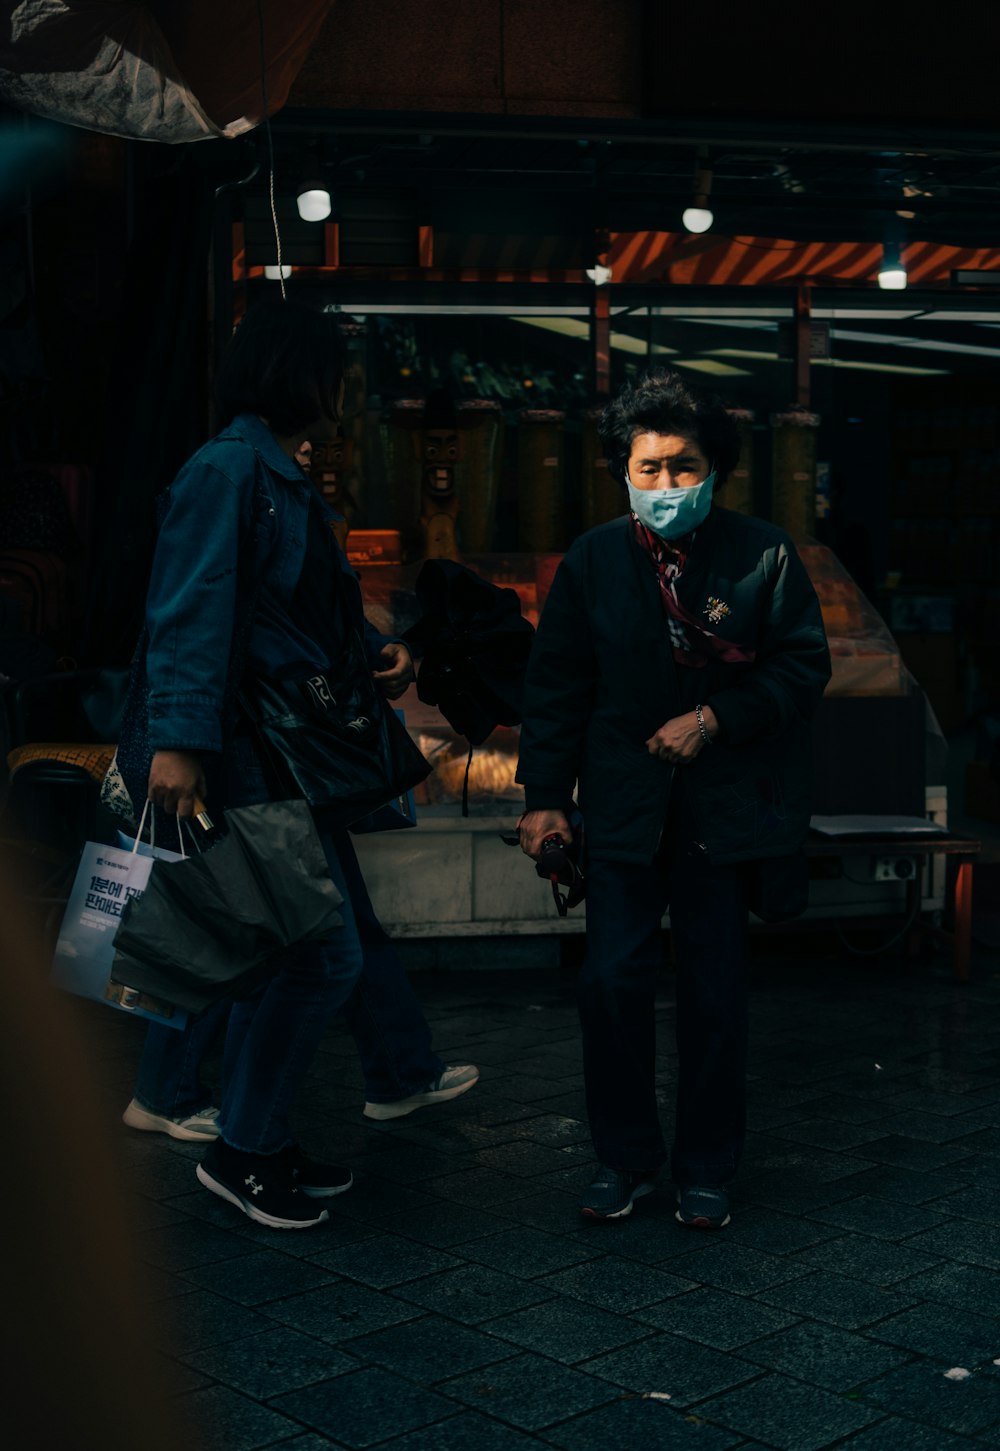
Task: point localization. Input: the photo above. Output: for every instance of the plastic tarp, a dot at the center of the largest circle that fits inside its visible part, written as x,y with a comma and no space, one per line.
169,71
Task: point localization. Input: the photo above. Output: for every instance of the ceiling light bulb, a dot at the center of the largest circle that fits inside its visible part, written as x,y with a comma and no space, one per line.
599,276
697,219
274,273
314,204
892,277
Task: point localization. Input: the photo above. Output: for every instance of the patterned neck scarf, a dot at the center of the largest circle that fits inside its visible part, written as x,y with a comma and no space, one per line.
692,643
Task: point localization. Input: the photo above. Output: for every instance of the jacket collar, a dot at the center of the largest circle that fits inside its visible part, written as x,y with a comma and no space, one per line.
249,428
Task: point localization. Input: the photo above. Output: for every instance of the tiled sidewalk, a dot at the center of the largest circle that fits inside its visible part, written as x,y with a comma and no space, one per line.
455,1302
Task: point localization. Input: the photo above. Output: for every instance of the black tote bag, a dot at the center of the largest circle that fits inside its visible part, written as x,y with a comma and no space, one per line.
211,925
332,740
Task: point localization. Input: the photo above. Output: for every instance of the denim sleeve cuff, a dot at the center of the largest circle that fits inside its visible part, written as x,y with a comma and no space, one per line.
184,727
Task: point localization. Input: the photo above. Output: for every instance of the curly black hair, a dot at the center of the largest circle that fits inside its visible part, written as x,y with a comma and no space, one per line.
285,363
660,401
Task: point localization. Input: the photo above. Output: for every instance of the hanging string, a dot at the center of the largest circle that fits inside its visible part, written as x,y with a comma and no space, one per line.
270,147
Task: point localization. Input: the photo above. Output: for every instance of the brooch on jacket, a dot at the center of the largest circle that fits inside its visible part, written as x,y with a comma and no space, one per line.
716,610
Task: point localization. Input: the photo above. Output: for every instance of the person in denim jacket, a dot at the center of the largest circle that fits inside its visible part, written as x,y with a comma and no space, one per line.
247,577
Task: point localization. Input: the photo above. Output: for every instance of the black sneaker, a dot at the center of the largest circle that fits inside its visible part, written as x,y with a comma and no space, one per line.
702,1208
612,1192
259,1184
319,1181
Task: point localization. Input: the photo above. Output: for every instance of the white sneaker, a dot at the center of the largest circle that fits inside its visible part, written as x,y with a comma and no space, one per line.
201,1126
452,1082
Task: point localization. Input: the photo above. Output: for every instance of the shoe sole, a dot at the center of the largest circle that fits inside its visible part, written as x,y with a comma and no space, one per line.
250,1210
590,1213
315,1193
152,1123
404,1106
701,1222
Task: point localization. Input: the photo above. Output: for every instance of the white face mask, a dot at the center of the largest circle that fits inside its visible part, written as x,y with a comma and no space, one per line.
671,513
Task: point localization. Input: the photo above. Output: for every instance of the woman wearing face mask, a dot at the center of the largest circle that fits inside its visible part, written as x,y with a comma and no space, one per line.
677,664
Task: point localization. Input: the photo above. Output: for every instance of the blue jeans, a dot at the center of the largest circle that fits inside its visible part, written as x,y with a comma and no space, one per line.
617,986
272,1036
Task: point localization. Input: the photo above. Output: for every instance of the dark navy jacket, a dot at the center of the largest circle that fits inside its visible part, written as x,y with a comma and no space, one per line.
232,538
602,679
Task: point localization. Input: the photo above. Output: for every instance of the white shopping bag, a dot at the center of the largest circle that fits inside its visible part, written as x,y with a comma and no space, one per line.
108,876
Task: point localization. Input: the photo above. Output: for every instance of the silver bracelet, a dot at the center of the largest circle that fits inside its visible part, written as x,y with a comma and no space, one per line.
702,726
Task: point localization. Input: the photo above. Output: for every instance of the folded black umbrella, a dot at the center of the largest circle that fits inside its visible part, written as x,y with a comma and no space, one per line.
475,645
210,926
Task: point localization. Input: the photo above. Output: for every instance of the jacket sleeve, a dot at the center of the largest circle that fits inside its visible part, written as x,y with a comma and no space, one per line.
559,691
190,608
792,666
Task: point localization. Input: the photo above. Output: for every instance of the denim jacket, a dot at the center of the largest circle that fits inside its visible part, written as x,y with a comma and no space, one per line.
232,539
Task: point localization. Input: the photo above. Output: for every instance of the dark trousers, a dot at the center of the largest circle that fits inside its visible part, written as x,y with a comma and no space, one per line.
708,919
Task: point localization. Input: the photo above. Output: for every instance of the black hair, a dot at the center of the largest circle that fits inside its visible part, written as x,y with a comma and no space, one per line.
660,401
285,362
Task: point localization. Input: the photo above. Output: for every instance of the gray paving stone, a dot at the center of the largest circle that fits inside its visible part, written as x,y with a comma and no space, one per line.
555,1129
279,1360
879,1217
430,1349
969,1286
473,1294
906,1186
871,1260
221,1420
971,1407
530,1392
715,1318
475,1187
898,1435
683,1370
183,1246
364,1408
566,1330
445,1225
146,1213
825,1356
932,1129
982,1171
978,1204
790,1194
775,1233
310,1442
339,1312
788,1415
844,1108
552,1210
175,1379
259,1276
528,1253
615,1284
973,1244
836,1300
467,1432
191,1322
632,1422
908,1153
732,1266
953,1336
385,1260
407,1164
373,1200
529,1160
825,1133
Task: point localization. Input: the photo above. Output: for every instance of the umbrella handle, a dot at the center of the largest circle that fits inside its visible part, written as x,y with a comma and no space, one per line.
201,815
